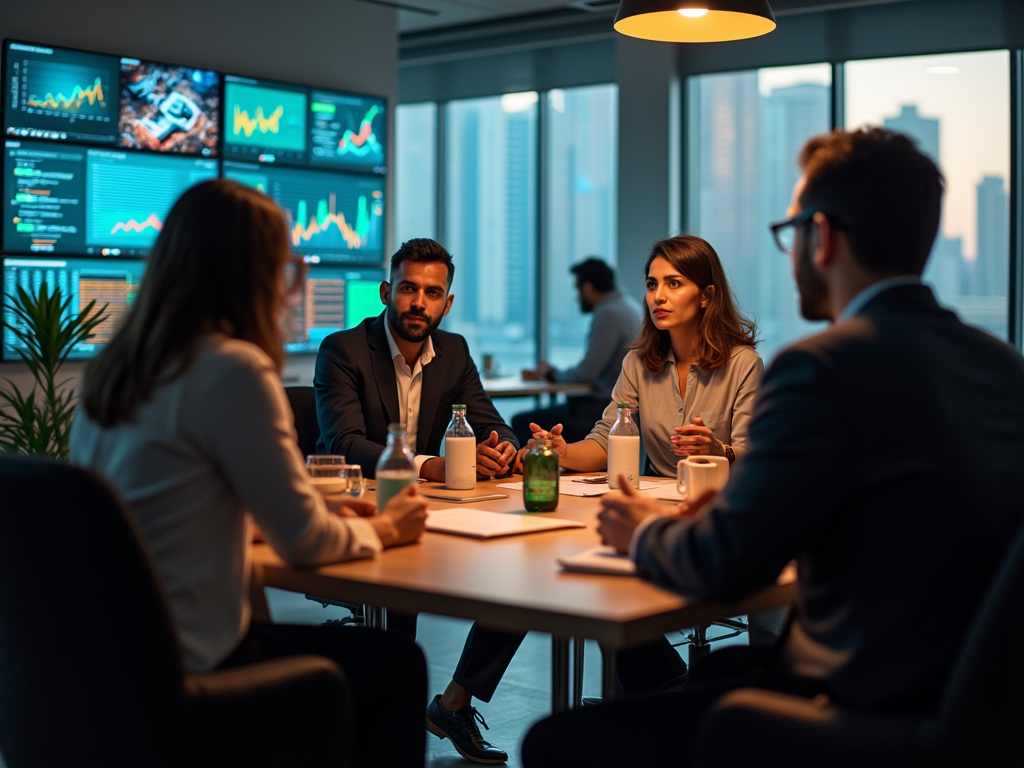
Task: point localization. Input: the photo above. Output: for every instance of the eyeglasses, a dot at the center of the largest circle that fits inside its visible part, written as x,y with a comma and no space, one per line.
294,274
784,232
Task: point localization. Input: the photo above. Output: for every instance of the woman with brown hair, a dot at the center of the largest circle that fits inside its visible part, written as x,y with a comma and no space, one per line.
693,372
184,412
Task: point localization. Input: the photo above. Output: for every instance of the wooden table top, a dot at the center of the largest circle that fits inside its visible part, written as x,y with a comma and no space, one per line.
512,583
514,386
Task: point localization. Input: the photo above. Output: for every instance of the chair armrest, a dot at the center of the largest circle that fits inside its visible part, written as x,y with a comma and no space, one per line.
755,727
287,712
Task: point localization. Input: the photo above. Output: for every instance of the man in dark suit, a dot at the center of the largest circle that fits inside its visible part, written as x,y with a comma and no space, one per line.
399,368
886,457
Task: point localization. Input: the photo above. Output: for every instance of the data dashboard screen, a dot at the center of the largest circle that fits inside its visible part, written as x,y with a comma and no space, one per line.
264,121
70,200
110,282
347,131
332,299
332,217
60,94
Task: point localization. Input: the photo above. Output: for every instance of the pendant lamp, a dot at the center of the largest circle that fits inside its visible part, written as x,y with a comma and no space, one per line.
694,21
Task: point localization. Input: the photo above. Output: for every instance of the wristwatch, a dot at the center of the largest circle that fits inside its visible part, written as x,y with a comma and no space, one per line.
730,454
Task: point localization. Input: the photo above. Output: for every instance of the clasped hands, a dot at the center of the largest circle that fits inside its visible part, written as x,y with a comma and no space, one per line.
493,459
695,439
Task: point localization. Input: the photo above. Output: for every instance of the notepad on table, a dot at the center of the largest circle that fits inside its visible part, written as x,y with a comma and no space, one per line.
567,487
481,524
599,560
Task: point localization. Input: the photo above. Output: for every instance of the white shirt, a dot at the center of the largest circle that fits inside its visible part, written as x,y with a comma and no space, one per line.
208,452
410,387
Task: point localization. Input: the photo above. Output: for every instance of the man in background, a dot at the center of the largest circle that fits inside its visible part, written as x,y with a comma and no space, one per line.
614,327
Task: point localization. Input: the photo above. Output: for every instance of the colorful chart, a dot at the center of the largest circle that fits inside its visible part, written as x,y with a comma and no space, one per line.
348,131
264,118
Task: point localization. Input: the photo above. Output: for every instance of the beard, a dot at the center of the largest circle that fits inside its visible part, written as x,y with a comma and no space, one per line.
408,332
813,291
585,306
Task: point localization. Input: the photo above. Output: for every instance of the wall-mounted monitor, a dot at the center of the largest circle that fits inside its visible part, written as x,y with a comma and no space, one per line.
71,200
111,282
166,108
333,217
332,299
265,121
347,132
60,94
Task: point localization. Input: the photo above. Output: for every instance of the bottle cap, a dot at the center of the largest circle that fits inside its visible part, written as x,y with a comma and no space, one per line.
542,442
396,428
458,407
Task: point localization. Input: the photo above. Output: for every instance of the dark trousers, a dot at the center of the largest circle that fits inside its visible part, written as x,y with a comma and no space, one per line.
387,673
577,418
653,730
485,656
645,668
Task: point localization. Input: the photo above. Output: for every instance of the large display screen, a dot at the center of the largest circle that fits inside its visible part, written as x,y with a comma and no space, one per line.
63,199
264,121
110,282
347,132
333,217
169,109
332,299
60,94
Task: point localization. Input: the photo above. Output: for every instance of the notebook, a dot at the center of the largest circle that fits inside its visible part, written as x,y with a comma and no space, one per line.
481,524
599,559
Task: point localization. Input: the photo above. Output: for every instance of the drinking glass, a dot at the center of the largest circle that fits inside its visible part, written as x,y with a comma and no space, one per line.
325,465
355,483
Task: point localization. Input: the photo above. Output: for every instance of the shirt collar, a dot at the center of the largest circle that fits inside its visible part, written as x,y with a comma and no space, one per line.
858,302
426,354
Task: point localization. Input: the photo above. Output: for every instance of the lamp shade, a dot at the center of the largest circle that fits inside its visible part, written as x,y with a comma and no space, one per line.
694,21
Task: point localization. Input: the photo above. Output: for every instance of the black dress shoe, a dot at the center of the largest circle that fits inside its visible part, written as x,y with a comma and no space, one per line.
460,727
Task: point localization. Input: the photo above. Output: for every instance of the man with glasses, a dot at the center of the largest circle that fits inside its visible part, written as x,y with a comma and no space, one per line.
886,456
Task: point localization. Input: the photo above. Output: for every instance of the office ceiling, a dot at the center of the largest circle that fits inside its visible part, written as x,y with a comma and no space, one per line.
433,14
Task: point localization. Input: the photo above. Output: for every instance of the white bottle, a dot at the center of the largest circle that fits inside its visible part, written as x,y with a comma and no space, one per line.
459,452
624,449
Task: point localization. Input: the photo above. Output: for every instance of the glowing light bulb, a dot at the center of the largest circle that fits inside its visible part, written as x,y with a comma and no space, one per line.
693,13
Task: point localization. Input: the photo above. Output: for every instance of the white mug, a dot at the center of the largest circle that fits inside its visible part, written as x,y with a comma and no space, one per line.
696,475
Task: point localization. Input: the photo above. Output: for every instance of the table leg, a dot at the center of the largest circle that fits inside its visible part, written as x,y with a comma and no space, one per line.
607,673
376,616
699,645
578,646
559,674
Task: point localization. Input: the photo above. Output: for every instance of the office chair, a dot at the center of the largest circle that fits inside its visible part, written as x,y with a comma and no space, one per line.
98,681
307,430
978,722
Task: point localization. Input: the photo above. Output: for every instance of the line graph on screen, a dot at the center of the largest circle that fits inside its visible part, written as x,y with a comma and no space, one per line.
152,221
243,124
311,230
364,142
79,96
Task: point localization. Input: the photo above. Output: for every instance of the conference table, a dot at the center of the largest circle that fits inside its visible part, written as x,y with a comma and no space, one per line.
515,386
514,583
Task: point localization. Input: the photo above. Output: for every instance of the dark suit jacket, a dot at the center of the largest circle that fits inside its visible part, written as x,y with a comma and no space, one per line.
357,394
887,457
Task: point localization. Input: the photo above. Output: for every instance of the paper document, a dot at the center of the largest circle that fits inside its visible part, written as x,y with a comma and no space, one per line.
481,524
567,487
666,492
599,560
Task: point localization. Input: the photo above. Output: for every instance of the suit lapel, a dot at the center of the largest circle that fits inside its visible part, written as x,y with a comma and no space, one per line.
430,397
384,369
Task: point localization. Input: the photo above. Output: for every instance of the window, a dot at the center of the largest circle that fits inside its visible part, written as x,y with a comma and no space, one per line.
490,225
957,107
415,172
581,182
746,130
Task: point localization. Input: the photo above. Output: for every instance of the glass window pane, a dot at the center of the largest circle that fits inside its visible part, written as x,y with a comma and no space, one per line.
490,225
747,129
581,183
415,172
957,107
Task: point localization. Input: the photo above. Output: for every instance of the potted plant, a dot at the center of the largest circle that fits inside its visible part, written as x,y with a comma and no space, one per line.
38,423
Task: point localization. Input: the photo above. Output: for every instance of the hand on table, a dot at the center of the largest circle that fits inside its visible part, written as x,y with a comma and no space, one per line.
695,440
494,459
621,512
542,371
346,506
558,444
403,519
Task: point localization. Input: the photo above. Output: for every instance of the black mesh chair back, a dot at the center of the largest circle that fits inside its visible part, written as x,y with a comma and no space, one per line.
303,403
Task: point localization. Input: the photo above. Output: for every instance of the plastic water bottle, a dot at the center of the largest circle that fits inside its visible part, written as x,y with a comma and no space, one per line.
395,469
459,452
624,449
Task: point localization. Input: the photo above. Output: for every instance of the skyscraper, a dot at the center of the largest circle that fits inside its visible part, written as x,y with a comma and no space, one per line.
924,130
992,264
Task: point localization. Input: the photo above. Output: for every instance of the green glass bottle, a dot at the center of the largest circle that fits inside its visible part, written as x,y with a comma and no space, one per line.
540,478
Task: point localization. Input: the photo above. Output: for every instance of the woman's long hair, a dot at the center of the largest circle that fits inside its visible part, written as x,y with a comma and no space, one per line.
217,265
721,325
